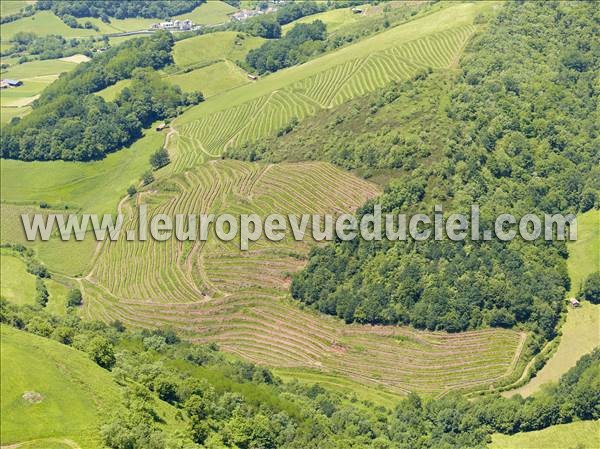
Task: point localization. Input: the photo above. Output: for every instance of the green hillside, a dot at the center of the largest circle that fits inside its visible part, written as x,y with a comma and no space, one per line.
579,333
69,393
255,111
580,435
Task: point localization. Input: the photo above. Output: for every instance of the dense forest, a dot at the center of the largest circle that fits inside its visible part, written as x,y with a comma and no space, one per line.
69,122
233,404
298,45
159,9
516,131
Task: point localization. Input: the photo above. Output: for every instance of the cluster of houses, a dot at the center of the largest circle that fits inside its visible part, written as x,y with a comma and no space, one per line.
6,83
173,25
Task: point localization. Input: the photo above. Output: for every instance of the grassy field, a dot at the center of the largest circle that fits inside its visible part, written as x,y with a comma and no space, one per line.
334,19
83,186
75,391
94,187
577,435
213,47
211,80
36,75
111,92
44,23
209,13
9,7
580,333
254,111
375,395
18,286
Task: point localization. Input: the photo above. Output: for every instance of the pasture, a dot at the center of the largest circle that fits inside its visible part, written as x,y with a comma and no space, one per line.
94,187
334,19
580,331
209,13
211,80
75,392
577,435
44,23
213,292
110,93
10,7
36,75
209,48
251,112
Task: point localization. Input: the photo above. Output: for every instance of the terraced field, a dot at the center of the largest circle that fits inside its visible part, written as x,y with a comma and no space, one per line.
212,291
252,112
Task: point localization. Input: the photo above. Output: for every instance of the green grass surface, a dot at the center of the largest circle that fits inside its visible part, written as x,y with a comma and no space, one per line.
213,47
211,80
580,435
9,7
581,331
111,92
338,383
75,391
584,254
43,23
209,13
33,69
334,19
36,75
16,284
120,25
94,187
84,186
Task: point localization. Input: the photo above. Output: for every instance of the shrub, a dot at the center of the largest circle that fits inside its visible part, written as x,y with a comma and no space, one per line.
74,298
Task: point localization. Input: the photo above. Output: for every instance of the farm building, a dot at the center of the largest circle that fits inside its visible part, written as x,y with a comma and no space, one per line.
177,25
161,126
245,14
252,77
4,84
574,303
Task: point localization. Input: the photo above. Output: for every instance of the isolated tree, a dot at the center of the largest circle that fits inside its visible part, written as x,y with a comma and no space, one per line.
147,177
591,288
41,292
160,158
101,351
74,298
131,190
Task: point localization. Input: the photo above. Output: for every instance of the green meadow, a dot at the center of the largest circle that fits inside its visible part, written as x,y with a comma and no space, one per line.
209,13
9,7
212,47
211,80
91,187
577,435
580,332
44,23
73,392
36,75
18,286
334,19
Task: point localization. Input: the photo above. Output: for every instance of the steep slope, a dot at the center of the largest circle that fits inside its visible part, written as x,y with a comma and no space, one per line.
255,111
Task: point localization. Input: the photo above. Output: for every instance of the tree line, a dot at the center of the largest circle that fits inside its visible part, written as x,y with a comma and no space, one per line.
159,9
